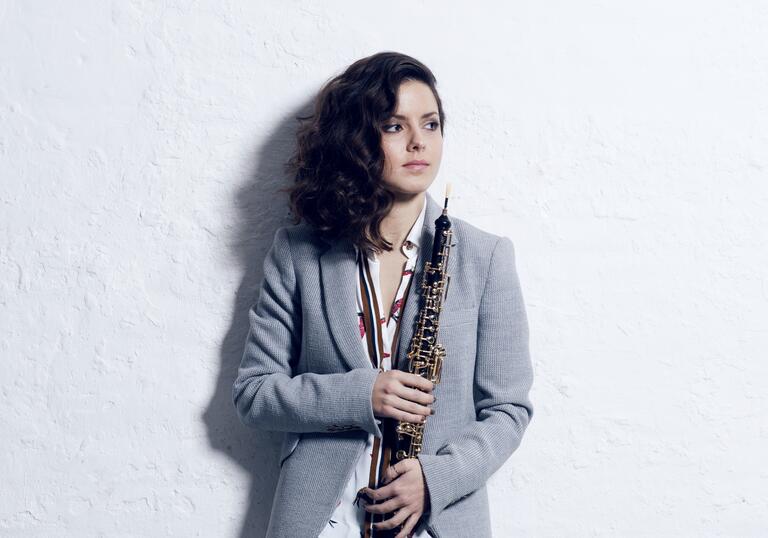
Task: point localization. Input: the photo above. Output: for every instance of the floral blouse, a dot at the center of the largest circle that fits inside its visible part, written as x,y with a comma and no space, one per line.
379,329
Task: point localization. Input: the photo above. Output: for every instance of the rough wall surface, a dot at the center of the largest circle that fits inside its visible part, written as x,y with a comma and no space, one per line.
621,145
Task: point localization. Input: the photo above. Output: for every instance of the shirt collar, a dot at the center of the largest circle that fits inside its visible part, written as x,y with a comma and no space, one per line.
414,235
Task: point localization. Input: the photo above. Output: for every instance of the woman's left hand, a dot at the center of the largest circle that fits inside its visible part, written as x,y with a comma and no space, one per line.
404,493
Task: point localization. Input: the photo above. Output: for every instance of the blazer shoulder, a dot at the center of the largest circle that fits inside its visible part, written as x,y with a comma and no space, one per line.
473,238
302,239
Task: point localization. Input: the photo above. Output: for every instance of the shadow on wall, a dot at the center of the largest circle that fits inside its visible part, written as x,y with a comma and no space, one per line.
261,210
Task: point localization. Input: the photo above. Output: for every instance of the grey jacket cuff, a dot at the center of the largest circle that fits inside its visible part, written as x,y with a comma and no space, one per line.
440,478
361,388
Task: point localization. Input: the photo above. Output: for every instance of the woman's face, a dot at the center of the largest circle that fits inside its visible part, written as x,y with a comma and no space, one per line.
412,134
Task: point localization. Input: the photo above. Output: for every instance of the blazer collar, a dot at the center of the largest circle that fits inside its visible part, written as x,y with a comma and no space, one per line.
338,271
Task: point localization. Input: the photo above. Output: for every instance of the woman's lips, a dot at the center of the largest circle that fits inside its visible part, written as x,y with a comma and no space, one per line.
416,166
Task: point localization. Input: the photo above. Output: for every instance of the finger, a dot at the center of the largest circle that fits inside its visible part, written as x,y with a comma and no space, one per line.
386,507
404,416
381,494
410,523
413,408
391,408
398,518
402,467
416,381
391,473
415,395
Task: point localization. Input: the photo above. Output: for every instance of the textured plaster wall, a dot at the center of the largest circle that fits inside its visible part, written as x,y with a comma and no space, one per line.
623,146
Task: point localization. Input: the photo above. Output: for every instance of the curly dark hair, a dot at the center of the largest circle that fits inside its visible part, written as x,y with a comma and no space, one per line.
338,162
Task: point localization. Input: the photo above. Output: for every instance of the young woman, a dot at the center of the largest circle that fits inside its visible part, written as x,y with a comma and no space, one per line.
324,359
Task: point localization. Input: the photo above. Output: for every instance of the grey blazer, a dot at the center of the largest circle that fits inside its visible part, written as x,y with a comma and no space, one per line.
305,373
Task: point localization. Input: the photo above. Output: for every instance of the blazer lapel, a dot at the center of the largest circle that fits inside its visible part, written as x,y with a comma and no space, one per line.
338,271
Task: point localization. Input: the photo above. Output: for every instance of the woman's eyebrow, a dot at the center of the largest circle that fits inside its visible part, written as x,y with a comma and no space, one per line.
401,117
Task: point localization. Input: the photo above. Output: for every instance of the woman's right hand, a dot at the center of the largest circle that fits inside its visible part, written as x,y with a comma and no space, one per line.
402,395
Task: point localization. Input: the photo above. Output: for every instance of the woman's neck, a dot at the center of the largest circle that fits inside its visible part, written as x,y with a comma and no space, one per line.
399,221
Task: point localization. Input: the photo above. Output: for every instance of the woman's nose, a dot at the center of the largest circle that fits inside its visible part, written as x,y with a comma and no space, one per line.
417,144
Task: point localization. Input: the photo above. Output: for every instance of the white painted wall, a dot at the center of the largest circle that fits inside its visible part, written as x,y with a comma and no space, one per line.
621,145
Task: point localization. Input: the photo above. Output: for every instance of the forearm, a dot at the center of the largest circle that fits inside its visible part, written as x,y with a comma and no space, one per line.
464,465
307,402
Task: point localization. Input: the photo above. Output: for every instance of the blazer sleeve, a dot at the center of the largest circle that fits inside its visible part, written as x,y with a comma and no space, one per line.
503,378
266,393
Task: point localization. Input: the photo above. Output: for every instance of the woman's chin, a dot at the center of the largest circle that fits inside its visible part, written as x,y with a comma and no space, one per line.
411,188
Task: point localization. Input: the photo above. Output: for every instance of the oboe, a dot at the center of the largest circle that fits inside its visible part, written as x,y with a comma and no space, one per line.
425,355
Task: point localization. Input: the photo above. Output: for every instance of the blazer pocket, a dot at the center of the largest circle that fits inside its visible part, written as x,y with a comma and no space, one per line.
453,317
290,442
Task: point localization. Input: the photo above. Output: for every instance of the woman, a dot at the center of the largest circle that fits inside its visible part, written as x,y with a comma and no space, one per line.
324,357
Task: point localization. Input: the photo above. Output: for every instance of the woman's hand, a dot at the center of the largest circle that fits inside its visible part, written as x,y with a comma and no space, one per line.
403,493
397,394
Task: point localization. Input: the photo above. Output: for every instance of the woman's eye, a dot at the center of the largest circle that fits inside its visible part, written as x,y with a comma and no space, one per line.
388,126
